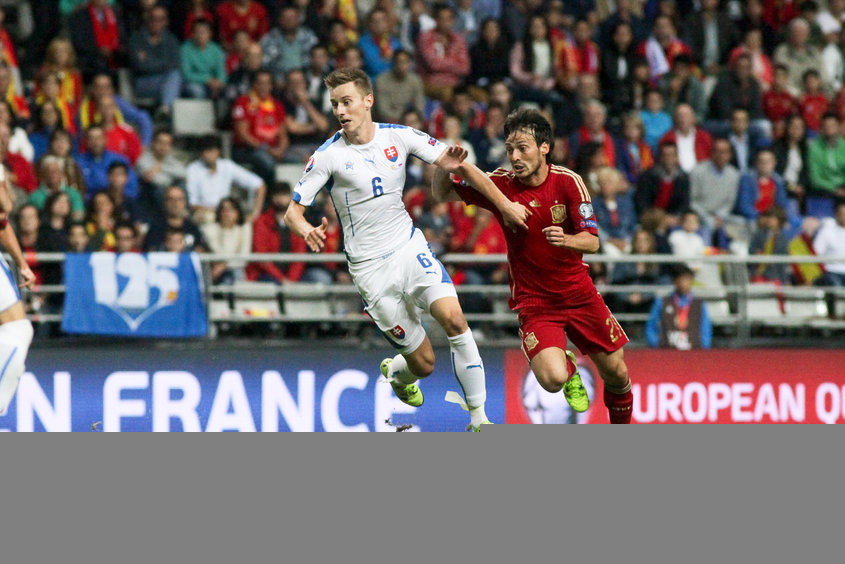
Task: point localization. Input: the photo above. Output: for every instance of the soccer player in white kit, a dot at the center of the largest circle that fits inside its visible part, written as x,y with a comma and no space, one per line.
15,329
363,169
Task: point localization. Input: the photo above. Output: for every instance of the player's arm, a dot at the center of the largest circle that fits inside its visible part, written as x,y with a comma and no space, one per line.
452,160
315,237
442,187
7,235
582,242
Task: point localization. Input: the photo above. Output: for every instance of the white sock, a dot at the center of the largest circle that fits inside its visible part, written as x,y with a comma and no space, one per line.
400,371
469,370
15,338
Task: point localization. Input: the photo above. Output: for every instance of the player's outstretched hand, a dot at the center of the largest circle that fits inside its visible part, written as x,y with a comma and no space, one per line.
316,238
452,158
515,215
27,277
555,236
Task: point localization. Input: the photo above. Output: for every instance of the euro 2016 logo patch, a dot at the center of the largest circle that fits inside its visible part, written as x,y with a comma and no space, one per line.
309,165
397,332
586,210
558,213
391,153
531,341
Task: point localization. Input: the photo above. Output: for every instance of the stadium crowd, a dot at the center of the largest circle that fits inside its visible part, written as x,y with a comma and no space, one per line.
700,126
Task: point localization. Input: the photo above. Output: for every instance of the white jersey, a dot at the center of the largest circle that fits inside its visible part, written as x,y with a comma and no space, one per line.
365,183
9,293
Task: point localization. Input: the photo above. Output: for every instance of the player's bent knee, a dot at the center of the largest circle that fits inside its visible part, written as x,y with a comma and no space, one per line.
551,380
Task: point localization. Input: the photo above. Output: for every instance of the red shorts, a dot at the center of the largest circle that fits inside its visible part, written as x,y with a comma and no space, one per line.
591,327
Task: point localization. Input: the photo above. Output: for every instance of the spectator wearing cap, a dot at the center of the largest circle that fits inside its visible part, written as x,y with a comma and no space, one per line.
681,320
211,178
442,55
95,162
154,60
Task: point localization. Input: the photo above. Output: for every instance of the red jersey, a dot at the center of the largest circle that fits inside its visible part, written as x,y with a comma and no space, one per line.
778,105
230,20
123,140
813,107
266,117
542,275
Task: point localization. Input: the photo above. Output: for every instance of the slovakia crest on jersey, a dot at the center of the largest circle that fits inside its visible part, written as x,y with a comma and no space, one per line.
391,153
397,332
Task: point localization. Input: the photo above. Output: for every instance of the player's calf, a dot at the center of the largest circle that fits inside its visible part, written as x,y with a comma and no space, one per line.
15,338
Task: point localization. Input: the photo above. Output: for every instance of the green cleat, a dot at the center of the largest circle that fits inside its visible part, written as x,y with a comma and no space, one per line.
573,389
410,394
477,428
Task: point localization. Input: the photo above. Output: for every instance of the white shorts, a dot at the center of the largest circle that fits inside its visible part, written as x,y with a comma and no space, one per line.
397,286
9,294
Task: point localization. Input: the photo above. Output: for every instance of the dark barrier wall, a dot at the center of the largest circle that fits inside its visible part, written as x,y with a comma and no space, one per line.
137,388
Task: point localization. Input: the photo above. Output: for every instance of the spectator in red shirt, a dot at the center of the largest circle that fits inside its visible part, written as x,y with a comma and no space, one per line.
258,119
95,30
443,55
661,48
694,144
586,51
814,103
778,102
249,15
462,106
271,235
120,137
21,172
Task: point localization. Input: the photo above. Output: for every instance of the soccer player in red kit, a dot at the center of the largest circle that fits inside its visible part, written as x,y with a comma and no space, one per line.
550,284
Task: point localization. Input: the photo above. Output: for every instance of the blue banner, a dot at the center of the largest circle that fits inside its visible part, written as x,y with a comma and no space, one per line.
238,388
134,295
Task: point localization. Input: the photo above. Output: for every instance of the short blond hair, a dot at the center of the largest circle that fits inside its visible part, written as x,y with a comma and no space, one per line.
345,75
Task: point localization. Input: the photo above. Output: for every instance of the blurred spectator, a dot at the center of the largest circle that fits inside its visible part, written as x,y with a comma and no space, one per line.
120,137
682,86
240,46
154,59
96,33
60,145
662,46
442,55
624,14
61,60
321,15
239,82
192,10
533,67
614,209
19,140
20,170
711,34
96,160
210,179
203,63
798,56
436,225
770,238
378,45
47,120
736,88
49,92
233,15
176,216
680,321
515,17
489,55
635,155
826,160
8,53
307,126
271,235
28,227
7,89
638,273
52,234
469,114
414,167
714,185
100,220
687,241
339,40
468,20
779,103
157,166
318,68
125,238
654,120
588,161
137,12
398,90
89,113
617,66
261,137
586,52
228,235
416,20
175,241
791,158
830,241
50,175
118,177
286,46
814,103
489,142
832,53
694,144
665,186
761,188
594,130
452,136
745,142
352,58
761,64
77,237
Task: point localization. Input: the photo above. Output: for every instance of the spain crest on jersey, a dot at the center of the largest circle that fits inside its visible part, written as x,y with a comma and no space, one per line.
558,213
391,153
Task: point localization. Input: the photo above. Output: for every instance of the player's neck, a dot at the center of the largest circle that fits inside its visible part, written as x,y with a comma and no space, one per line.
363,134
539,176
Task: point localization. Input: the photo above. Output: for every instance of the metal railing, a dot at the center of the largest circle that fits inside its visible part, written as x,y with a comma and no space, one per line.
736,305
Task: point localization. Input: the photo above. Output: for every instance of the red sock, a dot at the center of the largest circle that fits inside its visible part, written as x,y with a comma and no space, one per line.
619,407
571,367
